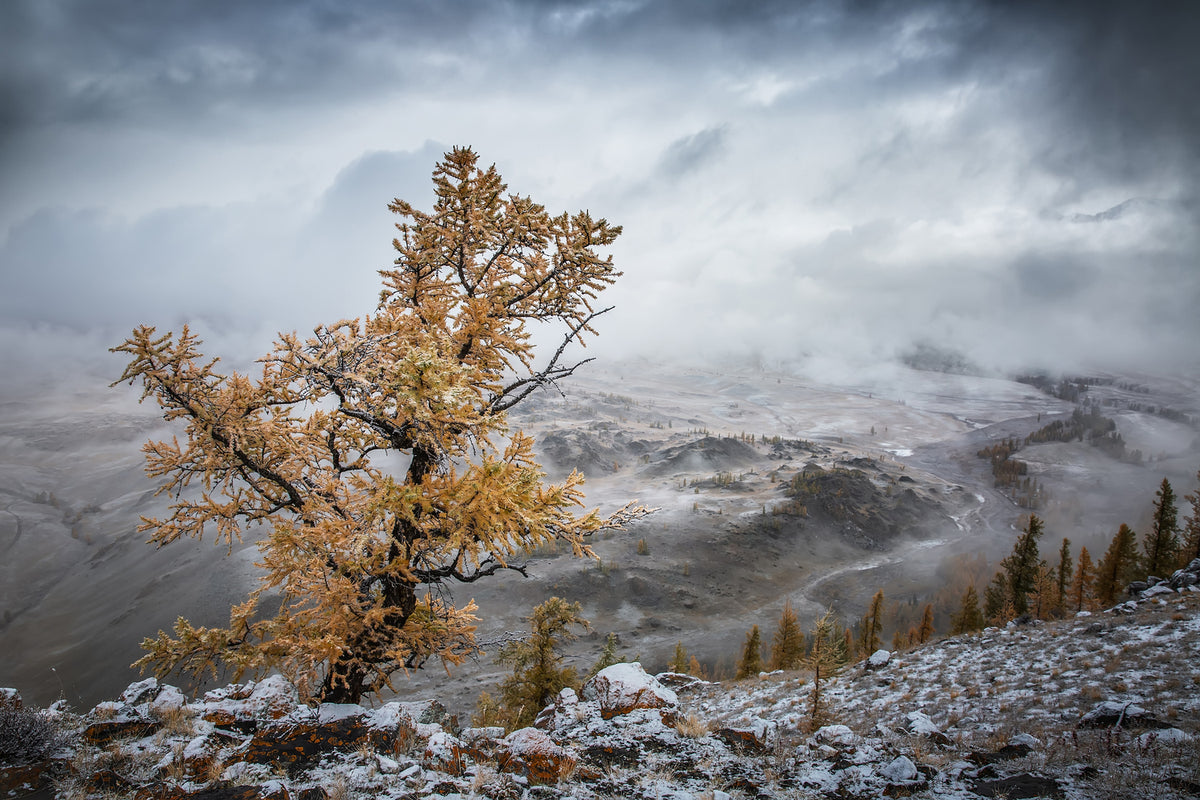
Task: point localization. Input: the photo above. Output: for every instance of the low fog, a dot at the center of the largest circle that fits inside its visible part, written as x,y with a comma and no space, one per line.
824,181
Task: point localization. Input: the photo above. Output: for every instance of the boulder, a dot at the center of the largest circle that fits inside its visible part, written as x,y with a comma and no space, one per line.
445,753
1163,736
1182,579
532,753
126,723
140,692
1018,786
836,736
900,770
1111,714
17,780
199,753
392,723
293,745
168,699
621,688
919,724
747,741
878,659
1005,753
677,680
332,712
1156,590
244,706
271,790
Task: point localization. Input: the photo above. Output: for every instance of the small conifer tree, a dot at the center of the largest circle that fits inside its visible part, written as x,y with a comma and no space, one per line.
1191,528
1043,598
1118,567
825,658
695,668
997,601
969,618
1162,544
873,627
787,645
1066,568
608,654
1021,568
926,631
538,673
680,661
1083,595
750,663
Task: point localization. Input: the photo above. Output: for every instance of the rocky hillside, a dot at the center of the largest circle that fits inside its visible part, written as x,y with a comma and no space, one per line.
1102,705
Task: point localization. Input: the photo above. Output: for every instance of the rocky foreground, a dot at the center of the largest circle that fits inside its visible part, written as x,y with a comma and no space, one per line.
1102,705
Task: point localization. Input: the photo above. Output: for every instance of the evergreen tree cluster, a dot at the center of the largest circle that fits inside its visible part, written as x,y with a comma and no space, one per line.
1080,427
1012,475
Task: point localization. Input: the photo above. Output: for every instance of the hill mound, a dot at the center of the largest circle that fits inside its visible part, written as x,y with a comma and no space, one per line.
708,454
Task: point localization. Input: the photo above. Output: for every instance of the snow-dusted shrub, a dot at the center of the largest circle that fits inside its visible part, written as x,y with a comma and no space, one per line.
27,734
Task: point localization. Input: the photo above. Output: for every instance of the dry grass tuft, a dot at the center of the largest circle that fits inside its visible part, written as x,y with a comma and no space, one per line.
691,726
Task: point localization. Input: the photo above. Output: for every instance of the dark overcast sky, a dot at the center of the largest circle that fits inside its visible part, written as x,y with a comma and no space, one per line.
1017,181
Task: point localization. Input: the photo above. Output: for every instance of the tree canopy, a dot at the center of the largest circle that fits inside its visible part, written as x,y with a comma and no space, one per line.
358,555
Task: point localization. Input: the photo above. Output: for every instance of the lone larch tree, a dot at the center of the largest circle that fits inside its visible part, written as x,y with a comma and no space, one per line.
358,554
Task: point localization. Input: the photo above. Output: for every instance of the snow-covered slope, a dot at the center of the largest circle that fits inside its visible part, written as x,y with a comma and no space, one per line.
1100,705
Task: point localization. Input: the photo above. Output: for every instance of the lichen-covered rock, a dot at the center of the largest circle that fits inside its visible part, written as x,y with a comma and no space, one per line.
532,753
271,790
564,710
445,753
621,688
198,755
126,723
244,706
392,723
18,780
481,743
290,745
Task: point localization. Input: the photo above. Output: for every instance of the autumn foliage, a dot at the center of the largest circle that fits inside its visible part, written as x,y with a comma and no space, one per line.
358,554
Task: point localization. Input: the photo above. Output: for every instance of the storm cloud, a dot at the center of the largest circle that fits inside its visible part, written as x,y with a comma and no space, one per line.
838,180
